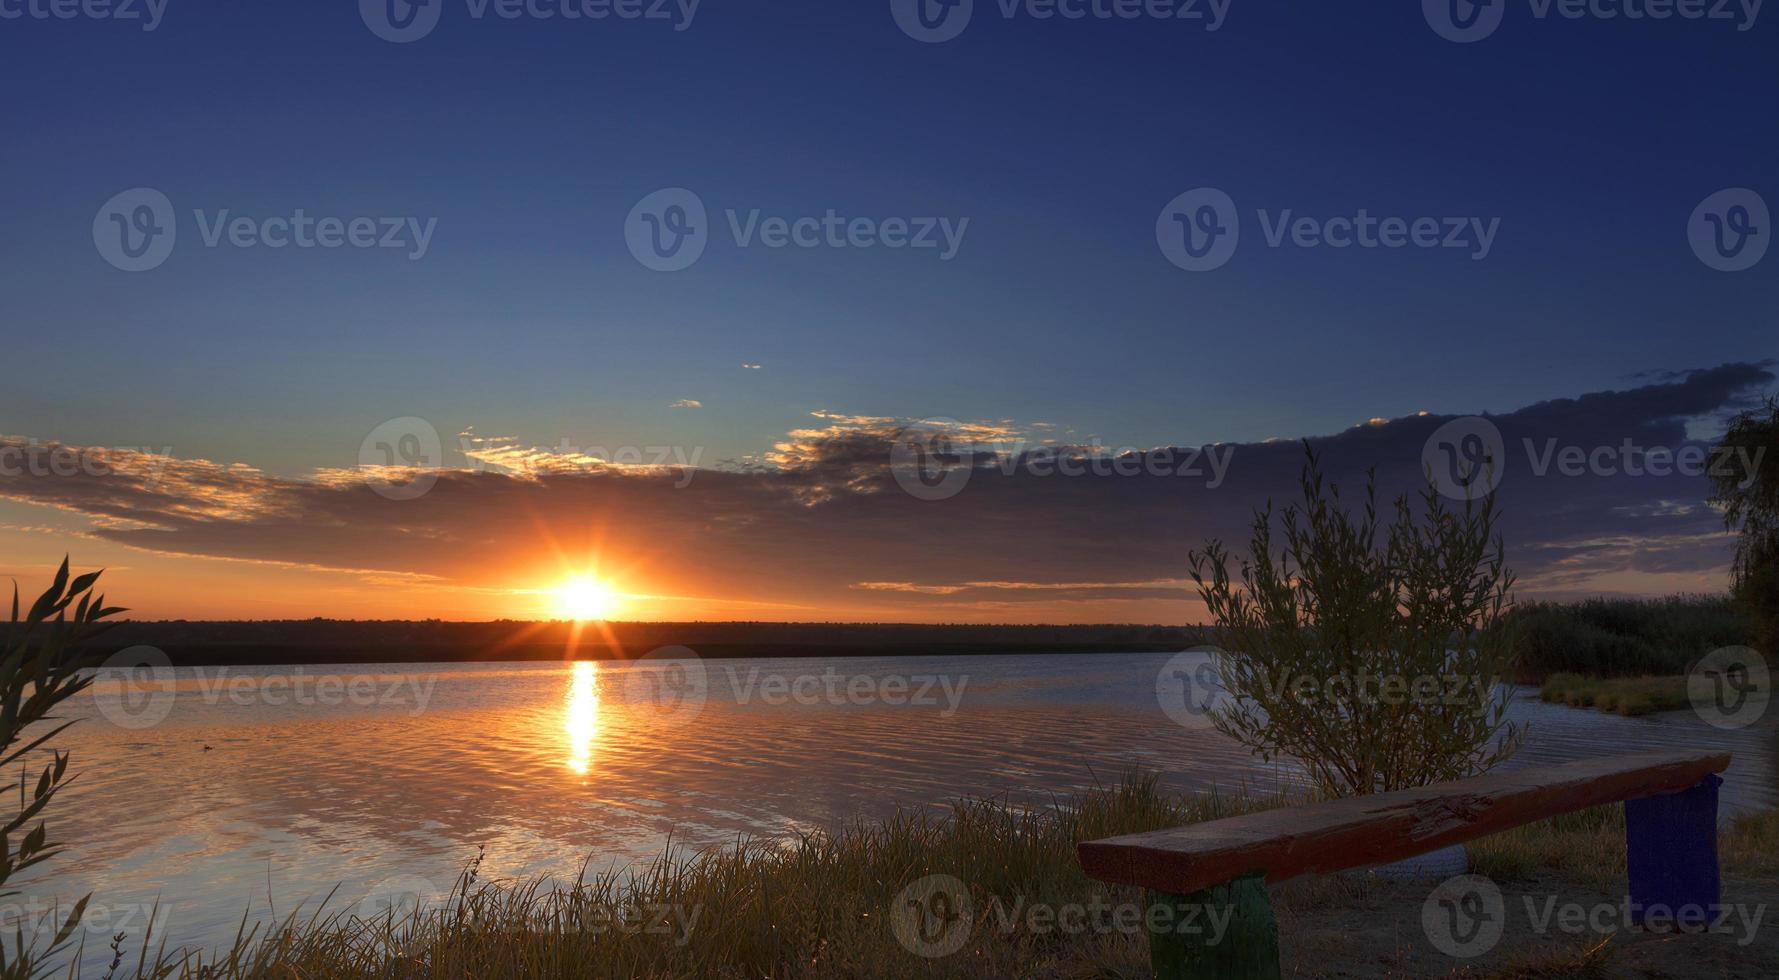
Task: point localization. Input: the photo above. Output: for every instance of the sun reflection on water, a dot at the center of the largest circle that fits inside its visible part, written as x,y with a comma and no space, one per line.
581,715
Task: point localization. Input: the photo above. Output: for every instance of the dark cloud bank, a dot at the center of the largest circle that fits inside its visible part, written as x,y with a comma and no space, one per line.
824,524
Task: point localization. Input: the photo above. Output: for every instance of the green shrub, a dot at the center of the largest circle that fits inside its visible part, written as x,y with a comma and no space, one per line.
1312,634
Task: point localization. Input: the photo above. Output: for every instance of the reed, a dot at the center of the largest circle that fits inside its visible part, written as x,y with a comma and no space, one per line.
1629,696
821,905
816,905
1624,637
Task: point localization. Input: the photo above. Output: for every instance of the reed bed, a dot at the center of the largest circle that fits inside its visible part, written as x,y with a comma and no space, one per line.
1624,637
820,905
817,905
1629,696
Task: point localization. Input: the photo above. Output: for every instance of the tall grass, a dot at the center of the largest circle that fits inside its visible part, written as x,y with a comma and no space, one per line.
1587,846
1624,637
818,905
43,663
1630,696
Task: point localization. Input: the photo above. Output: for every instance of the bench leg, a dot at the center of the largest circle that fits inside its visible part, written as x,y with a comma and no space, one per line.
1222,933
1671,851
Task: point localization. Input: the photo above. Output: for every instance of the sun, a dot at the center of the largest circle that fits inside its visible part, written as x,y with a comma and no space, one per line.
585,599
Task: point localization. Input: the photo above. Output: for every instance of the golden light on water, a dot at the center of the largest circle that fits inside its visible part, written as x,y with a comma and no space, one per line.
581,715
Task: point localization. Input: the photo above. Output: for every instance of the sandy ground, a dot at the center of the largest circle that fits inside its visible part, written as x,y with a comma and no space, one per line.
1360,927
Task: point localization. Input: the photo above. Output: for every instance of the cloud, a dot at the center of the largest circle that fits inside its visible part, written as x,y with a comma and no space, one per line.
821,522
687,403
752,367
909,587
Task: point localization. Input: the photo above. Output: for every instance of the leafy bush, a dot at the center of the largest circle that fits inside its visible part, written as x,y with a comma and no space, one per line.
1312,636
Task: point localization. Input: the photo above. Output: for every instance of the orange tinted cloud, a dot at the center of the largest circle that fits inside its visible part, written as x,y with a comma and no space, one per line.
821,529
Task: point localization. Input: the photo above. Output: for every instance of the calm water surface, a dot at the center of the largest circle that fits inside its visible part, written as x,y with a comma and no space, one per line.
241,799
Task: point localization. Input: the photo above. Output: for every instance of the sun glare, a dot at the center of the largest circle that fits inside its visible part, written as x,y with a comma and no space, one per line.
586,599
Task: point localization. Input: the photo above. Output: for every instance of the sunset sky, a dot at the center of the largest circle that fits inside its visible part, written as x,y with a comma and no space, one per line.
231,390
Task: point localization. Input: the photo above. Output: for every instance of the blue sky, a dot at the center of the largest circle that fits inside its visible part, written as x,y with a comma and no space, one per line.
528,141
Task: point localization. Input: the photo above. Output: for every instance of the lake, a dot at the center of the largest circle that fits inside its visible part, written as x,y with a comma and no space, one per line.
223,790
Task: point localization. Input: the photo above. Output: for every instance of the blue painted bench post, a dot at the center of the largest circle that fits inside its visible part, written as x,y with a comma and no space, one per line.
1247,950
1671,851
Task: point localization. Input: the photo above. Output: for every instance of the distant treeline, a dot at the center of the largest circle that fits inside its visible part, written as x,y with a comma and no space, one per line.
1625,637
347,641
1597,637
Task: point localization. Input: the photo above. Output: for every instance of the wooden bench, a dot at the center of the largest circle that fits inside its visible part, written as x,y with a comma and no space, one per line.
1670,823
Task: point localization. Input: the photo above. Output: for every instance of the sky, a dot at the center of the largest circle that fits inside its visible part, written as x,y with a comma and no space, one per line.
525,178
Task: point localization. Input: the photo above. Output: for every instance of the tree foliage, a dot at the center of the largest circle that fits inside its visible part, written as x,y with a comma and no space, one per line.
1745,486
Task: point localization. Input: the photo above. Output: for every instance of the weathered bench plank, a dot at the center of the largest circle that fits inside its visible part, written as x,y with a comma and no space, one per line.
1362,831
